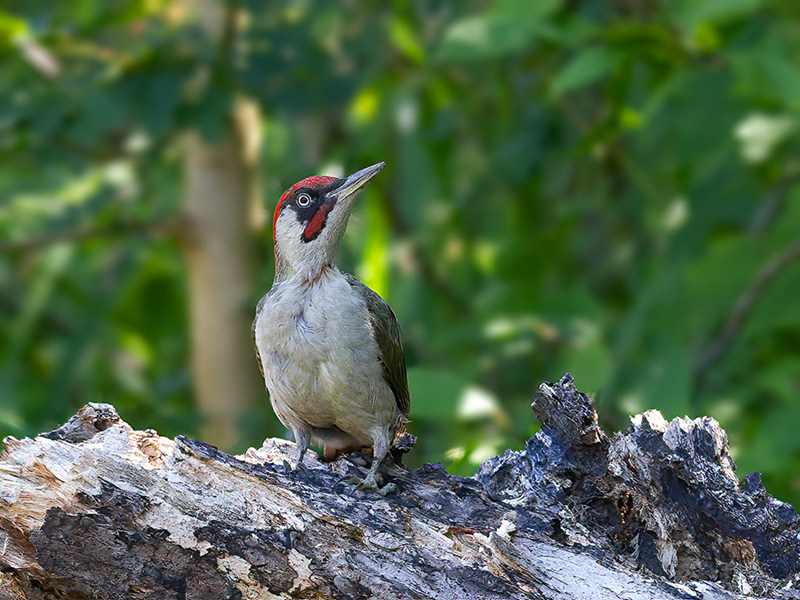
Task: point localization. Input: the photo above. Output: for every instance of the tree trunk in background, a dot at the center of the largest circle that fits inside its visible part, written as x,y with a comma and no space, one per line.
221,205
221,196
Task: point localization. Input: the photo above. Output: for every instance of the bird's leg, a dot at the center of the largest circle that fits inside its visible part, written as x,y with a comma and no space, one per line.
380,449
301,438
356,459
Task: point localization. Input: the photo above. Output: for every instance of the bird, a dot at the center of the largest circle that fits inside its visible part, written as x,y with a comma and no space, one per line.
329,348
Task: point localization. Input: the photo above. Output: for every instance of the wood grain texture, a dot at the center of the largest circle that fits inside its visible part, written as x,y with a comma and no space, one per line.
96,509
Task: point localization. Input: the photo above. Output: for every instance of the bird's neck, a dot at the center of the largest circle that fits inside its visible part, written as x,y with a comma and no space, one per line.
308,272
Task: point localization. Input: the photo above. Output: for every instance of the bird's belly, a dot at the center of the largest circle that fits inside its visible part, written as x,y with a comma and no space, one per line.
328,390
321,367
315,388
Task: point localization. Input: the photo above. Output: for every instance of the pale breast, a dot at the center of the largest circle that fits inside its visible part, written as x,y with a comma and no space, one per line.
320,361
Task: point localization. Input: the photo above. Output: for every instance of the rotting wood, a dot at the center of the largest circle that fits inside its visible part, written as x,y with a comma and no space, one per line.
96,509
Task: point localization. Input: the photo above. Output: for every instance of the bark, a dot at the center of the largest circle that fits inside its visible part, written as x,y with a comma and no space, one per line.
220,205
98,510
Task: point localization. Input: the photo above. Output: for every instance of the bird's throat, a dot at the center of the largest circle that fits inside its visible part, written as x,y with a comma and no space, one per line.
306,274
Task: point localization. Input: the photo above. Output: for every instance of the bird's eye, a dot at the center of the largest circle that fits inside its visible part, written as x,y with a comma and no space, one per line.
303,200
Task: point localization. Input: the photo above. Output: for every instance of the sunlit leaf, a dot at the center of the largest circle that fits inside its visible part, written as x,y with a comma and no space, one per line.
586,68
406,39
11,26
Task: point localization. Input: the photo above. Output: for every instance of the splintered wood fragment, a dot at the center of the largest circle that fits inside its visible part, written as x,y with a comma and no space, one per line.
96,509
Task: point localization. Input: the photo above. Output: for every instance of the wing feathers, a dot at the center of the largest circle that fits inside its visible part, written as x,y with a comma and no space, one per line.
387,334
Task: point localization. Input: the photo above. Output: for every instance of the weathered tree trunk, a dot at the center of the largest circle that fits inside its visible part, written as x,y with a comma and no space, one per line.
98,510
220,202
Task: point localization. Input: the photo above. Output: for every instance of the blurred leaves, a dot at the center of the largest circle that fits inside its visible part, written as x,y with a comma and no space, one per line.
507,26
584,186
11,27
435,392
587,67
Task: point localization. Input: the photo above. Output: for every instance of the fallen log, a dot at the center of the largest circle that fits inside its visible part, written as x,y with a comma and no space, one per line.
96,509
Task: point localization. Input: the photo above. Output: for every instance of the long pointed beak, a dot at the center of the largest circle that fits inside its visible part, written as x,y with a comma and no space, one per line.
355,183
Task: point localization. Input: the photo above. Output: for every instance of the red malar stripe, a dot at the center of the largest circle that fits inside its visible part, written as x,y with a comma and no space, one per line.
317,222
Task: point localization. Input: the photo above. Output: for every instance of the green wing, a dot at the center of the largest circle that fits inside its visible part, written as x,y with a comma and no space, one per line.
387,334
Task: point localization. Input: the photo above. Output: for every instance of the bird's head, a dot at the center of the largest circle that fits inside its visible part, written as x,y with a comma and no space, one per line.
310,220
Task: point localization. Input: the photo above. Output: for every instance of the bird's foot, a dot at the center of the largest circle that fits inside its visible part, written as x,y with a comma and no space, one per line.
369,483
298,465
345,479
386,490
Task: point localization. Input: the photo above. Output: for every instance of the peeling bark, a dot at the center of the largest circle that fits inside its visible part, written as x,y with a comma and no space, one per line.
98,510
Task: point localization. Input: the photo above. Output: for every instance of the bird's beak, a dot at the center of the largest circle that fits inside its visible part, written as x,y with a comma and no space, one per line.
348,191
339,203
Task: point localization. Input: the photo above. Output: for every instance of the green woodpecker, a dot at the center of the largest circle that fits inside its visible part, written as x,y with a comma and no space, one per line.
329,347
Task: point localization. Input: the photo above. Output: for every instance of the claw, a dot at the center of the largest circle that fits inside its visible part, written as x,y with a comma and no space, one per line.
389,488
298,466
367,484
346,478
370,482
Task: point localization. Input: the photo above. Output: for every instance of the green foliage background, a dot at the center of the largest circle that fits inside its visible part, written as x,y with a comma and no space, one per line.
590,186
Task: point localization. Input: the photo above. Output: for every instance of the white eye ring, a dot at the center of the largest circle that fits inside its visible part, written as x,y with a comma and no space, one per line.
303,200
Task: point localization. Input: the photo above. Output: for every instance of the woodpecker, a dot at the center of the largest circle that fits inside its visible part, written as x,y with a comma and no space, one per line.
329,347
